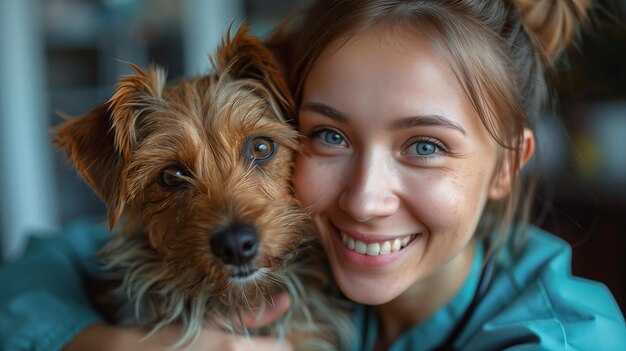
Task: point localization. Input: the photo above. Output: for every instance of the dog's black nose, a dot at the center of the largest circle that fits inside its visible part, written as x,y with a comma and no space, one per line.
235,245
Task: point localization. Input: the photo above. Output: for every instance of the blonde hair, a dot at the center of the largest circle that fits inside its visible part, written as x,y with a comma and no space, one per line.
499,51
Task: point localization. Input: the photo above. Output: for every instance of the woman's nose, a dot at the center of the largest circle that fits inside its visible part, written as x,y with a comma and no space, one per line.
370,190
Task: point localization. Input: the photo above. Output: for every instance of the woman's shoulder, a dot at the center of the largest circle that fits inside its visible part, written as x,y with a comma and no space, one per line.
534,300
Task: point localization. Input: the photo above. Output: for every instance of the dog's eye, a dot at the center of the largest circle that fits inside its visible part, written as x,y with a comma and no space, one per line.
172,177
260,149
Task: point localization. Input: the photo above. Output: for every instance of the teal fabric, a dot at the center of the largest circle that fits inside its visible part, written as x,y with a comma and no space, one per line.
42,303
428,334
533,303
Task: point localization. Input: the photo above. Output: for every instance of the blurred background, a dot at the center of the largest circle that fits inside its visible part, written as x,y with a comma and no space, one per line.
64,55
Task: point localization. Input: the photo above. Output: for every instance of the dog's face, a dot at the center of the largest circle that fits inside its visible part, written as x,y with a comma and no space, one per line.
203,166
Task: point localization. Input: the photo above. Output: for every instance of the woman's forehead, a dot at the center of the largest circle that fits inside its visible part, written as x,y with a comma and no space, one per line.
420,70
377,74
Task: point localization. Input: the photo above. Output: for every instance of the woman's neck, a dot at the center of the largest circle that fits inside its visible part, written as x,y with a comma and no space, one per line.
423,299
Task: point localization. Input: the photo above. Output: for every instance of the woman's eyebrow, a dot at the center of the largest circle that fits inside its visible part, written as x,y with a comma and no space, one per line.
324,110
426,120
403,123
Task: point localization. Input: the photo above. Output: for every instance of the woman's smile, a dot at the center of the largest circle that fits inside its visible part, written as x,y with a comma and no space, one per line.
372,251
376,247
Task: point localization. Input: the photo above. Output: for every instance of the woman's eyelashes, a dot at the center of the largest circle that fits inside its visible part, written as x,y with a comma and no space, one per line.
425,147
328,138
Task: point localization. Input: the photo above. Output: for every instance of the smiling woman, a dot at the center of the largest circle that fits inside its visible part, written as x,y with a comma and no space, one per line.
395,151
418,119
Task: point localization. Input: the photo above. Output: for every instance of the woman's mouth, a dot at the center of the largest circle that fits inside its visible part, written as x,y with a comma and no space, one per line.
373,252
376,248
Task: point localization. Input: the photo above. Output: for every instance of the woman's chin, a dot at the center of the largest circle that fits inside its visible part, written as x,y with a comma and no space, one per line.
367,290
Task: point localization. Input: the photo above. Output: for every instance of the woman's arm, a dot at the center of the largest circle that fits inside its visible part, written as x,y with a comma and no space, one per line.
102,337
43,305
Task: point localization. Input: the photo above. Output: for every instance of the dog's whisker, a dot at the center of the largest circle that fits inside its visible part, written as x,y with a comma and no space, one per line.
276,280
260,291
271,302
245,301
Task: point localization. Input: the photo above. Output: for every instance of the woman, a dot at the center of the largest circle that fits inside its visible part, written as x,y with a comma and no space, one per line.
418,117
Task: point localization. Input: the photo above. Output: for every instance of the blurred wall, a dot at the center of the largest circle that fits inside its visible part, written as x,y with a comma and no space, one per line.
583,194
27,180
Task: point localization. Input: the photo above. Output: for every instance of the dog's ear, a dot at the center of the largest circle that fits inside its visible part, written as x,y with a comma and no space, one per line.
245,57
136,96
100,142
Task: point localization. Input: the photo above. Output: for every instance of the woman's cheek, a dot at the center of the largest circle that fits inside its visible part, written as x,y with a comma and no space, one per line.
454,203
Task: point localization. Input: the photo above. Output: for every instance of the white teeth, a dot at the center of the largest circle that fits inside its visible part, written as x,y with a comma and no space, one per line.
360,247
385,248
351,243
375,249
396,246
405,241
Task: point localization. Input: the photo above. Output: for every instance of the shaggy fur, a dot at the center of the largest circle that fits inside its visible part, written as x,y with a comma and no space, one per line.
182,162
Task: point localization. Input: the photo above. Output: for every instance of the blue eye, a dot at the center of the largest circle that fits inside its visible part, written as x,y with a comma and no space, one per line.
425,148
330,137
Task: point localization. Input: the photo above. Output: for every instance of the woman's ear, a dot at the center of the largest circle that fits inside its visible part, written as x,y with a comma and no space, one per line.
503,181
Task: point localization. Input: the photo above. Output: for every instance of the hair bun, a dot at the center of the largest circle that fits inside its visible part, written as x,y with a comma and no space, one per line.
552,23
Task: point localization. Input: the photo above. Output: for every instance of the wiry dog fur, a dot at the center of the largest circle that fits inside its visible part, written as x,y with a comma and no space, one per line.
179,163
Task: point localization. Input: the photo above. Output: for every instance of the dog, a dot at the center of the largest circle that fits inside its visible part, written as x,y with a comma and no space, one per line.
198,173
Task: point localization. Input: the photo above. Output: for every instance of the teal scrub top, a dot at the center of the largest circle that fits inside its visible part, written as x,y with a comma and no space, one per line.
533,302
42,303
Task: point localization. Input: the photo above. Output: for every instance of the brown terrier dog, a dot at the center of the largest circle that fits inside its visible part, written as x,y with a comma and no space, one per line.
201,171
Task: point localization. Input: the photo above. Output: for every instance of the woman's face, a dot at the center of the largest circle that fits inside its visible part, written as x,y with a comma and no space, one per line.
397,165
